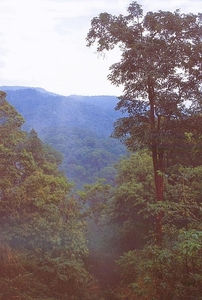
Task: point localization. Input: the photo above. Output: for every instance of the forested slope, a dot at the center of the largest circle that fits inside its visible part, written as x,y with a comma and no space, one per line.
86,155
153,215
42,109
79,127
98,243
141,236
43,247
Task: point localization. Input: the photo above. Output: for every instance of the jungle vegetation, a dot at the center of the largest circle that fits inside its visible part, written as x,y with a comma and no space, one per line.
138,236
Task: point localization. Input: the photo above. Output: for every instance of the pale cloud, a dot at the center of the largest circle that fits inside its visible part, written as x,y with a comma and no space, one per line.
186,6
42,43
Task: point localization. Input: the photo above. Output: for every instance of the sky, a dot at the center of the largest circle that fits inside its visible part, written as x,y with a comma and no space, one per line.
43,43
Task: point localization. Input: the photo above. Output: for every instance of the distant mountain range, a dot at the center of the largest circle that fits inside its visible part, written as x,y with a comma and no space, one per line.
42,109
77,126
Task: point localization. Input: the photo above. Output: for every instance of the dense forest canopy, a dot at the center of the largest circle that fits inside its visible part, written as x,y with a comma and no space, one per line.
42,241
160,70
136,233
42,109
86,155
79,127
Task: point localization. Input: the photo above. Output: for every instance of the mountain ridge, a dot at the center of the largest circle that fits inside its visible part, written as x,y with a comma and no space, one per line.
79,127
41,108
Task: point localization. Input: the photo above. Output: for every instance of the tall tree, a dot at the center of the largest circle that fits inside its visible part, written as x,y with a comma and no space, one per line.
160,70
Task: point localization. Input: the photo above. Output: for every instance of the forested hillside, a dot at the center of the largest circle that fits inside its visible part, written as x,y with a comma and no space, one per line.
42,109
43,245
98,243
86,155
79,127
155,210
137,232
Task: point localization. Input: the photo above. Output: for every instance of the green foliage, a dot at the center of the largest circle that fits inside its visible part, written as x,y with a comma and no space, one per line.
42,242
165,273
191,242
172,271
87,156
122,228
50,239
10,122
153,47
160,70
77,126
133,194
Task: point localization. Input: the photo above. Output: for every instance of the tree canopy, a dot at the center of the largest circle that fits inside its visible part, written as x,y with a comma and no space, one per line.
141,236
42,240
160,70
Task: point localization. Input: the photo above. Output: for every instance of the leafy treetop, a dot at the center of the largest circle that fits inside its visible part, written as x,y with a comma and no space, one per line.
160,70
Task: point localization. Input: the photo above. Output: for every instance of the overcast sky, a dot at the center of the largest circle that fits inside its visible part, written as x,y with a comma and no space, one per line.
42,43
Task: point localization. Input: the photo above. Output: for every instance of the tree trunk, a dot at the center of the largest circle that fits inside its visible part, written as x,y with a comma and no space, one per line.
159,187
157,158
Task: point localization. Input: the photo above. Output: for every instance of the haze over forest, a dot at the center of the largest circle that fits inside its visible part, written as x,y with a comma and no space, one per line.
79,127
98,203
